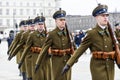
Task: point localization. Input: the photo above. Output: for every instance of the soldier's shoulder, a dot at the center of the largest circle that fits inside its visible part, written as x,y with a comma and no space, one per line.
52,32
91,31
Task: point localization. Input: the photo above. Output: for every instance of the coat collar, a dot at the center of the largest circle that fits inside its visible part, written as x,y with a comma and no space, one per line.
102,31
61,32
41,34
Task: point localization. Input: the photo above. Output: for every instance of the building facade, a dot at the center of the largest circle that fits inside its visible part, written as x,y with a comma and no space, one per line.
77,22
13,11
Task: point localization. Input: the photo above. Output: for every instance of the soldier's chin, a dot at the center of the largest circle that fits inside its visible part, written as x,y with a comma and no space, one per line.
105,23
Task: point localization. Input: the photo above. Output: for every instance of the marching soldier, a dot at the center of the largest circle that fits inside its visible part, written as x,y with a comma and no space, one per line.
34,43
22,44
101,46
60,47
15,42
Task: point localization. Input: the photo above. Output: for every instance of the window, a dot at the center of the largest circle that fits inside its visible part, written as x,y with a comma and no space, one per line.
40,4
21,4
14,4
7,3
1,22
34,4
27,11
49,4
28,4
14,11
8,22
34,11
7,11
0,3
0,11
14,21
21,11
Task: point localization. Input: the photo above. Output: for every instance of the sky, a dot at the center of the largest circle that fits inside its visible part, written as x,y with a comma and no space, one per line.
85,7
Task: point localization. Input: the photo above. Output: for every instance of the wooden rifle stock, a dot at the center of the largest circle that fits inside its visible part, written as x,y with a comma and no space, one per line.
115,42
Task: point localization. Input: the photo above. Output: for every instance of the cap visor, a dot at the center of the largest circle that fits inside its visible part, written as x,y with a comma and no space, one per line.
61,18
40,22
106,13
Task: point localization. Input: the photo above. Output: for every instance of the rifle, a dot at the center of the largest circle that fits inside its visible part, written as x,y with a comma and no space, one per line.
116,45
70,40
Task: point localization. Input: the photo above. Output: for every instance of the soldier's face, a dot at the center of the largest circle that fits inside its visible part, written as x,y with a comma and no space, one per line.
102,19
60,22
40,27
25,28
32,27
22,28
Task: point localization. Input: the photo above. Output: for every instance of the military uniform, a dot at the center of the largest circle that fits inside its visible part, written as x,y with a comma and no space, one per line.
28,56
14,44
58,43
18,54
34,43
100,43
21,45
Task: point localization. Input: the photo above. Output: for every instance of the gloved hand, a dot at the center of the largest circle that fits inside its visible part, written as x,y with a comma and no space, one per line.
19,65
9,58
65,69
36,67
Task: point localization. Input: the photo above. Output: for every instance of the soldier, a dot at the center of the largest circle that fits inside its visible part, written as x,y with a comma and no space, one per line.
34,43
60,47
15,42
101,46
21,45
117,31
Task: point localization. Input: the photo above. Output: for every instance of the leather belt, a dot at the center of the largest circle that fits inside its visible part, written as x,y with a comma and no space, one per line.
58,52
35,49
103,55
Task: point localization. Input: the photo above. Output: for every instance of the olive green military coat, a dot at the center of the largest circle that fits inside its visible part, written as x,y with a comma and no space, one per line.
13,46
37,39
21,45
56,40
15,42
97,40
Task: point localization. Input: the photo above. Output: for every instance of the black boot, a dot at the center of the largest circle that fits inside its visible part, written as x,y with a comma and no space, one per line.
29,79
24,75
